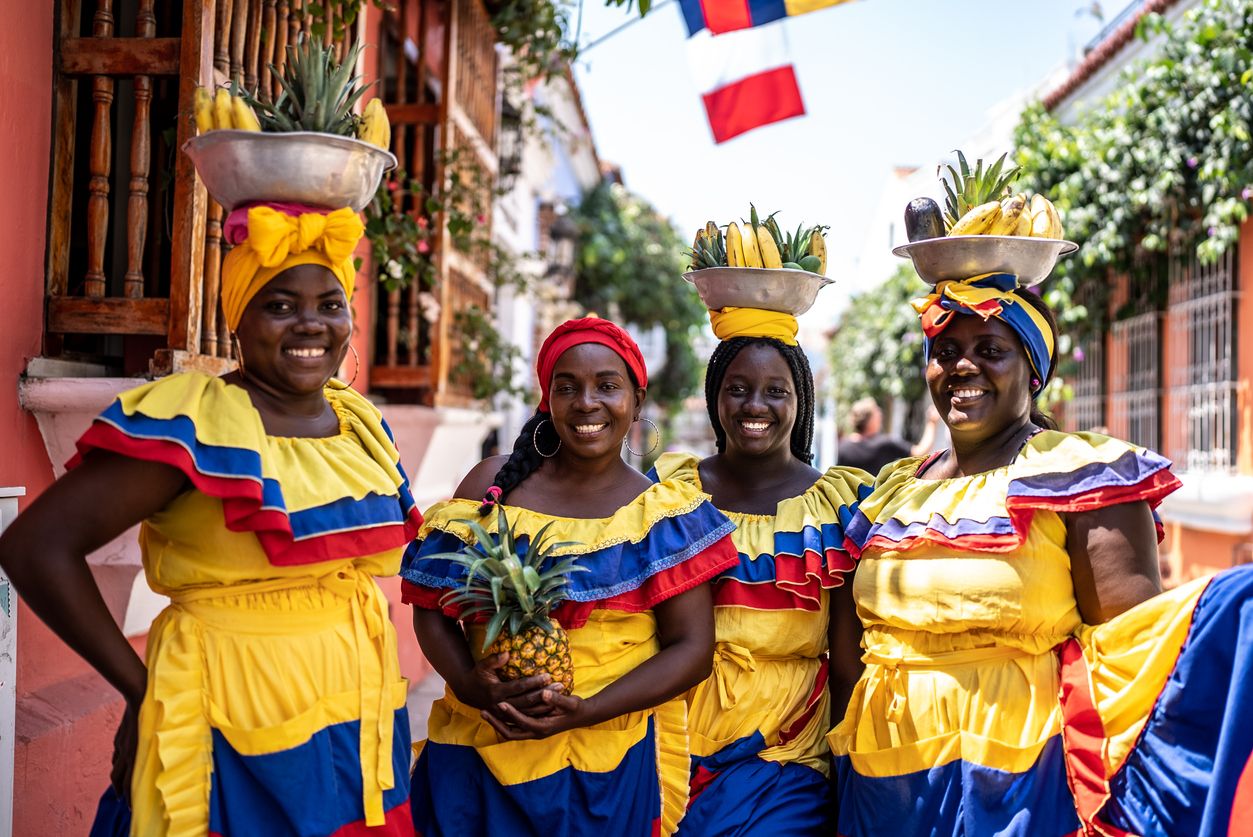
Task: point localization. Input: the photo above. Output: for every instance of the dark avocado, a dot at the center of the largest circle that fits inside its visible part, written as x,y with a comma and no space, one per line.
923,220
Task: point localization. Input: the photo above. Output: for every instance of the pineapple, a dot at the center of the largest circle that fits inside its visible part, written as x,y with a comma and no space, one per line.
973,188
318,94
519,593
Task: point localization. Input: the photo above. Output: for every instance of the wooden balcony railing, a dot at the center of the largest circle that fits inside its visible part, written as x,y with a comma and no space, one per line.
438,82
134,247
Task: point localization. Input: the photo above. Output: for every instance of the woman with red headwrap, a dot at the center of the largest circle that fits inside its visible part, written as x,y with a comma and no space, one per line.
522,757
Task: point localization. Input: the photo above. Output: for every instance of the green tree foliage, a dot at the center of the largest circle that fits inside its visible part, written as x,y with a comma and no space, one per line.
1165,161
877,349
629,266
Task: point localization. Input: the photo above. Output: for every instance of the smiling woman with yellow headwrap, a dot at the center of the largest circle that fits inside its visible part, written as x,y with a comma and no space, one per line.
756,727
271,701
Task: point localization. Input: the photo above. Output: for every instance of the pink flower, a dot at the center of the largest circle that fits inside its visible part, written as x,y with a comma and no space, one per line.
393,185
423,247
1247,194
1193,162
480,218
1078,354
422,222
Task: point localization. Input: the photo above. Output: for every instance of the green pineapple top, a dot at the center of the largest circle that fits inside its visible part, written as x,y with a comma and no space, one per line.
518,591
969,189
318,92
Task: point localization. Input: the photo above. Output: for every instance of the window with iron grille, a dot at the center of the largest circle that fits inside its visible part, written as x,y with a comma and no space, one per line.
1201,363
1135,355
1086,408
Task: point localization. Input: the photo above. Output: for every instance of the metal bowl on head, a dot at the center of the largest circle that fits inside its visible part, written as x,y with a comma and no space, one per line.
784,290
240,167
963,256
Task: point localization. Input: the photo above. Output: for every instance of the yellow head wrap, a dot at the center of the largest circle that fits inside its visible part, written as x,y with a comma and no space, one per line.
277,241
754,322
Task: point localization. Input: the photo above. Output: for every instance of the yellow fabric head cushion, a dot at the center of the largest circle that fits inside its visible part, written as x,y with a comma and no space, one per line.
754,322
276,241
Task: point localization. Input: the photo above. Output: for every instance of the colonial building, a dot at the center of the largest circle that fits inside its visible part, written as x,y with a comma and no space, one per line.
115,257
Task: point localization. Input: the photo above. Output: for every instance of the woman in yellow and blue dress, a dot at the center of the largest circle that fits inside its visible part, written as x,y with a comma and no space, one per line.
1024,672
521,757
271,701
757,727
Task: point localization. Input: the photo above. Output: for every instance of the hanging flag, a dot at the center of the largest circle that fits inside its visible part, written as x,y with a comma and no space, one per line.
719,16
746,79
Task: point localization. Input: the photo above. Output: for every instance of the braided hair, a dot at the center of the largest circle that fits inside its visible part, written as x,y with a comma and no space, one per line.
1038,417
803,430
526,458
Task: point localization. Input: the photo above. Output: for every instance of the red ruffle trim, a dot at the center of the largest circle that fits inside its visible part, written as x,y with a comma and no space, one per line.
700,568
1023,508
241,505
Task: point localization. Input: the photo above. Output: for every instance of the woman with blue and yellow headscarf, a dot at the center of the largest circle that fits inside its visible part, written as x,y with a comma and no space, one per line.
271,700
756,726
1024,672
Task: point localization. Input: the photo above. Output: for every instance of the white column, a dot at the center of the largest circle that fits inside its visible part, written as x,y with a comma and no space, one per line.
8,670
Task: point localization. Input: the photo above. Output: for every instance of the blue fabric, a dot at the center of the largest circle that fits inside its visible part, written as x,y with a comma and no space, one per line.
113,816
959,799
1181,776
612,571
750,796
454,795
310,790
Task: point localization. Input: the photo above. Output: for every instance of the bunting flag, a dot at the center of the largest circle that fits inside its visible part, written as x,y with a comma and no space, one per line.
746,79
720,16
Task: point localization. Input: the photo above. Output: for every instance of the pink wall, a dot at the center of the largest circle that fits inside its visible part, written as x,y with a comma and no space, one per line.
66,713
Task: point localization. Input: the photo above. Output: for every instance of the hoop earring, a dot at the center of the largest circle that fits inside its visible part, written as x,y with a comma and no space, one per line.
356,367
626,443
535,441
239,353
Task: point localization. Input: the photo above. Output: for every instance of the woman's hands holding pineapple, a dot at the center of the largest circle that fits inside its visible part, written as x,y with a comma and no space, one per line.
556,713
483,689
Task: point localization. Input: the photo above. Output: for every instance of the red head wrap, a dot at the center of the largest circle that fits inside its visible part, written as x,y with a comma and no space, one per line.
586,330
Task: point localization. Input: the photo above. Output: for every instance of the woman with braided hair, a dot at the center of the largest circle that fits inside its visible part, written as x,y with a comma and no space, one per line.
757,725
1024,673
522,757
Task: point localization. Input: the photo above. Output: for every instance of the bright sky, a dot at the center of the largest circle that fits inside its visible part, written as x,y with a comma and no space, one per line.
886,83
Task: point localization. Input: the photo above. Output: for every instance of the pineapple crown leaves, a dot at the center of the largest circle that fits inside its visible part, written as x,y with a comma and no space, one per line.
518,590
318,94
965,189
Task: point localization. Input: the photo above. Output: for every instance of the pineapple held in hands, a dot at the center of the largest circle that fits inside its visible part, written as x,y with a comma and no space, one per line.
519,593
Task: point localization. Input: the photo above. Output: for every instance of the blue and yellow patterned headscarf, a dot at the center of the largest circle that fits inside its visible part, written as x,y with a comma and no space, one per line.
991,295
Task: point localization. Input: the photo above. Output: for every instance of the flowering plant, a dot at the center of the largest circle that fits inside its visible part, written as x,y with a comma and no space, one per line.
402,242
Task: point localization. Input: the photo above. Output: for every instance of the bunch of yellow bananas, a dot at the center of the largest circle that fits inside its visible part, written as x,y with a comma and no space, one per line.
760,244
374,127
1015,215
222,110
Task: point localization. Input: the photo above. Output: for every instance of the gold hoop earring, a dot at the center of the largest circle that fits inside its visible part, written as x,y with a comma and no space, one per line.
535,441
626,442
356,368
239,353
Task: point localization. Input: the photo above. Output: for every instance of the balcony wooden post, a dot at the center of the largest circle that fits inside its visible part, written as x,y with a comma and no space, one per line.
141,151
268,21
190,199
101,154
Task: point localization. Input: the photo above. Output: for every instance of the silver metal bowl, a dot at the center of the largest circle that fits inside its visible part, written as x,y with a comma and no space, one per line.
299,167
774,289
963,256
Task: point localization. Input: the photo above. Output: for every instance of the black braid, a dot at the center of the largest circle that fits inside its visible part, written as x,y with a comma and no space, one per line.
803,430
1038,417
525,459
